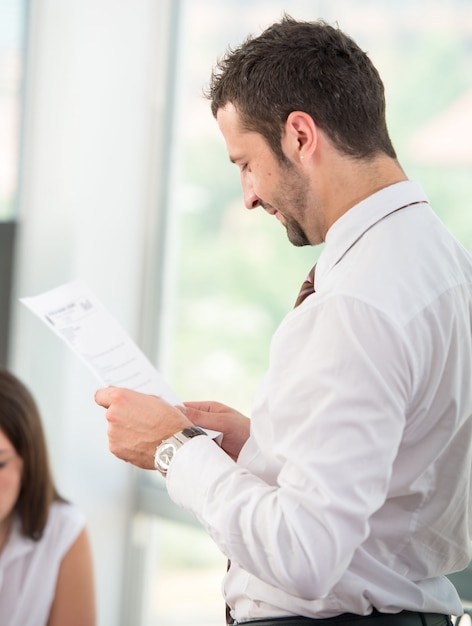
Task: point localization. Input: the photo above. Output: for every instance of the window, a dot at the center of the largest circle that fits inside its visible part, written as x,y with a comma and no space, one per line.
12,28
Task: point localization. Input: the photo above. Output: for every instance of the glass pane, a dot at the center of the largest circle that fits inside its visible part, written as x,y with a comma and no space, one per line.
12,28
186,579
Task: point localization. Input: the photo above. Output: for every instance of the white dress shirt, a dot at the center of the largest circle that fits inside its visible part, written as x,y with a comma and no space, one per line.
29,569
354,488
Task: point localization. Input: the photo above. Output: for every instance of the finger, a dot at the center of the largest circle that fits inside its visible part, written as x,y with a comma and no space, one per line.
204,419
208,406
194,413
102,397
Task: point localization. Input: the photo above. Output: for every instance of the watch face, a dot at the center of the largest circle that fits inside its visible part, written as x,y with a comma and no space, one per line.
164,455
165,452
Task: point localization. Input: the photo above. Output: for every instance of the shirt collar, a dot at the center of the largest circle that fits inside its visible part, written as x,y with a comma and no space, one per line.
344,233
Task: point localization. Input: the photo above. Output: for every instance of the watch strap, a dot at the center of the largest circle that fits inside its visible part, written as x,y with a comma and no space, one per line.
187,433
165,451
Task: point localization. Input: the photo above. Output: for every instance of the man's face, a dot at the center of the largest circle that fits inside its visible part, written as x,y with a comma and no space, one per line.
282,189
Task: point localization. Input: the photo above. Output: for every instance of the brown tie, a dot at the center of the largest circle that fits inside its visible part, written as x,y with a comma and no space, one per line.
307,288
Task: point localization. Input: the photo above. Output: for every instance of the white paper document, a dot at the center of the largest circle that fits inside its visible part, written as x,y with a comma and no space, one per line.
74,313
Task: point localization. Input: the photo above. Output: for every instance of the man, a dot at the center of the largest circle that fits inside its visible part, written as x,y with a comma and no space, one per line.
347,496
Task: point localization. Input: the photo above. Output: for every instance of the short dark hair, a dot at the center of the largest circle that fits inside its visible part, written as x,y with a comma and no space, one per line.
305,66
21,423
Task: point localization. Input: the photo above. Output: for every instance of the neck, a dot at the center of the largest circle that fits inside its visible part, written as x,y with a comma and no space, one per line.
361,179
339,182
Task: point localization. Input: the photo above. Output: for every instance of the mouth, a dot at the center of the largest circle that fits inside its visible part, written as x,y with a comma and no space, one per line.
269,209
274,212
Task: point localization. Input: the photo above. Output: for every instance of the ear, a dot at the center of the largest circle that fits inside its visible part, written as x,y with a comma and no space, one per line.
300,137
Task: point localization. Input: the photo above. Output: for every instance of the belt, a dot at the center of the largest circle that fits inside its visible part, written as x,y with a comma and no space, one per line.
404,618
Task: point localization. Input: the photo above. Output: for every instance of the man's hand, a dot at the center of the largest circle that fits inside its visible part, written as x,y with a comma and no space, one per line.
217,416
137,423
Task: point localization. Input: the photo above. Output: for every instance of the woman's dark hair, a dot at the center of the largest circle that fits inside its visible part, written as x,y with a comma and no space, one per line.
305,66
21,423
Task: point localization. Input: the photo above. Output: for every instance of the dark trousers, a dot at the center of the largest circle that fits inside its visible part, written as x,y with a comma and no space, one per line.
405,618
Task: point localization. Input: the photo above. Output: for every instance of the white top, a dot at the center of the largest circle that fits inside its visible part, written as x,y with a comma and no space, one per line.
29,569
354,488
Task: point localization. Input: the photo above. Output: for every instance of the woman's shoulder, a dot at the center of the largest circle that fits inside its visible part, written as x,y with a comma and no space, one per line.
65,522
66,511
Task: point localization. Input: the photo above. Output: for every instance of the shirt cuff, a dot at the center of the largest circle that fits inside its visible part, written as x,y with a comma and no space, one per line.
195,468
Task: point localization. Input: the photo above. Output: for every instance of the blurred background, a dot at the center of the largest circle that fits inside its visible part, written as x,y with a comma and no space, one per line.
112,170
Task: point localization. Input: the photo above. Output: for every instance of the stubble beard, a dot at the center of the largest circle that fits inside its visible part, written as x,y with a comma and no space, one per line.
294,193
295,233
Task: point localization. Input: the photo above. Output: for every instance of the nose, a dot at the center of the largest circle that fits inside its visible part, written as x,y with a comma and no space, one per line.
251,199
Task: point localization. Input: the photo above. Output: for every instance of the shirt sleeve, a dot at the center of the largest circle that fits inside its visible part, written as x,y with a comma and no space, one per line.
339,381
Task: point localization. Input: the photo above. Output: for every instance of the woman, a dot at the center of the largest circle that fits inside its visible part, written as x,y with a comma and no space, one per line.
46,572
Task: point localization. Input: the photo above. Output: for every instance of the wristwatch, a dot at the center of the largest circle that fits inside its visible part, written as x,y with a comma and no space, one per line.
165,451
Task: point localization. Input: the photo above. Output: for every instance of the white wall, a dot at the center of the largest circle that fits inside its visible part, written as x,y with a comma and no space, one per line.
94,108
